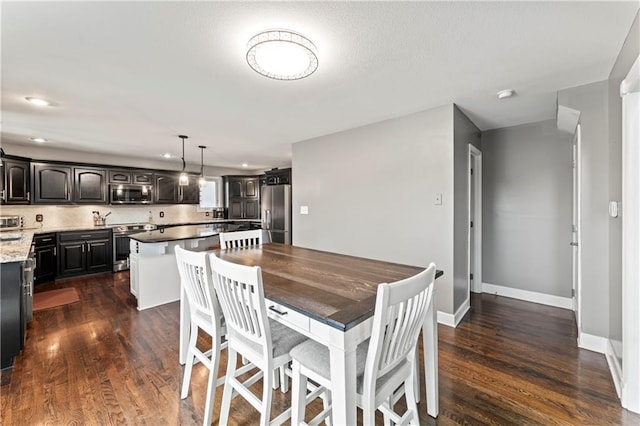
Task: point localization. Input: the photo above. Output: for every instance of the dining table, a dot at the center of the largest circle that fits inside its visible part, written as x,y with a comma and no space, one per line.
329,297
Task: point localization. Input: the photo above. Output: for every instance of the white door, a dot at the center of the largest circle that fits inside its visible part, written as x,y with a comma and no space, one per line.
575,228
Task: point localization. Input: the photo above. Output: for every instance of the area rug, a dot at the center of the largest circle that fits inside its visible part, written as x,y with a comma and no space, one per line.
53,298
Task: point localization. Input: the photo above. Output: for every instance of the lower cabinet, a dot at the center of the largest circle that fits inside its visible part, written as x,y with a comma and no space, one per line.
46,258
12,325
86,252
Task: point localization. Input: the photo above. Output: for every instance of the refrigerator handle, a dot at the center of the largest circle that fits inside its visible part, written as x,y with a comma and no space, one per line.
267,219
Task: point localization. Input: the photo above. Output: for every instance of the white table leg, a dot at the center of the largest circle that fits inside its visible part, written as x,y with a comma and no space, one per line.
185,324
430,348
342,351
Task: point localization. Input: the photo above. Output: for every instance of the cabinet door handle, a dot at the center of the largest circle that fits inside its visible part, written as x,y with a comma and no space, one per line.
85,236
55,251
273,309
28,196
3,195
44,240
89,248
83,248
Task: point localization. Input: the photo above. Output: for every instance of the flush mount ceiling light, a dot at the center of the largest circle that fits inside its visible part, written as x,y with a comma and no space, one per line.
504,94
167,155
184,178
38,101
282,55
39,140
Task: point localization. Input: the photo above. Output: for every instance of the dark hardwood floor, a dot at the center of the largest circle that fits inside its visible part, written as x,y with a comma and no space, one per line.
101,361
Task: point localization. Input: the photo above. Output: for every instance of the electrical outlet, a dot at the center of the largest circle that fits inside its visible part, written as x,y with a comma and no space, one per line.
161,214
39,218
207,214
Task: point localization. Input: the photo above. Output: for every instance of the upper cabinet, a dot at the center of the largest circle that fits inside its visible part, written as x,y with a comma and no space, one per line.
90,186
121,176
52,183
243,197
190,194
166,188
15,175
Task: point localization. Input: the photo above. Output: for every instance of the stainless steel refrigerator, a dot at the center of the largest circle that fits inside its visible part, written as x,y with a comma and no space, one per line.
275,212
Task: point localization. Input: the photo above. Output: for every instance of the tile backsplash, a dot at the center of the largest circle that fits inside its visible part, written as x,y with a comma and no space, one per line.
63,216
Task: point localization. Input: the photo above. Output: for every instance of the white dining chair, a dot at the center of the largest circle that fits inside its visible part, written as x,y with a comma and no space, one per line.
237,239
263,341
384,363
205,314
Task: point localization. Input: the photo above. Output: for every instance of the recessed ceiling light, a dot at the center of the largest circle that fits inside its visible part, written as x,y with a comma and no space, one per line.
507,93
245,165
38,101
167,155
40,140
282,55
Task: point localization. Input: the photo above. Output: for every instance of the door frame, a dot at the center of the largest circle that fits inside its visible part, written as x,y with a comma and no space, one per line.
475,164
576,267
630,397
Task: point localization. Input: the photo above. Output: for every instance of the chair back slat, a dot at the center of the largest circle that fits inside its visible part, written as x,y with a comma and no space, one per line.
241,295
229,240
195,278
400,312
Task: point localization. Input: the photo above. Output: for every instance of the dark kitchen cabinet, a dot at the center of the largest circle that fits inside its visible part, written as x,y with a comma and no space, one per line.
122,176
86,252
15,177
166,188
12,326
90,186
52,183
243,197
190,194
46,258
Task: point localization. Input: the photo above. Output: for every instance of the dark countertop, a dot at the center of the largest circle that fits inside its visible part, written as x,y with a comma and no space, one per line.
188,232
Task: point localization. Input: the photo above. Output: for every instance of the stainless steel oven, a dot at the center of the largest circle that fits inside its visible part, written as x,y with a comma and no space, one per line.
121,242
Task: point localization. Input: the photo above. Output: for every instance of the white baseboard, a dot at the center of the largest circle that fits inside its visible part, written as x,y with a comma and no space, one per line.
454,320
593,343
615,368
529,296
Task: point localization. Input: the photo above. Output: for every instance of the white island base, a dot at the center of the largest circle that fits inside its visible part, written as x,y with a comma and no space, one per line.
154,278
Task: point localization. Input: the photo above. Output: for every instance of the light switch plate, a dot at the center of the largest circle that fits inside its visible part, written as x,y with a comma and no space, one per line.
304,209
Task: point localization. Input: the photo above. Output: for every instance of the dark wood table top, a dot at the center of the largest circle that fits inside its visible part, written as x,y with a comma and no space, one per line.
336,289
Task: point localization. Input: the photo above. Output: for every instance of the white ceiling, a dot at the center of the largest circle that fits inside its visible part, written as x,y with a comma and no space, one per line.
128,77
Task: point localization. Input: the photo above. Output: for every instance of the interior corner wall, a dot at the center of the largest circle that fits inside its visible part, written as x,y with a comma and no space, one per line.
464,133
592,102
628,54
370,192
527,208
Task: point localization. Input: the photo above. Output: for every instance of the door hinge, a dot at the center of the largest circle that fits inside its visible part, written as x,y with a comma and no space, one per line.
573,292
471,171
471,224
470,276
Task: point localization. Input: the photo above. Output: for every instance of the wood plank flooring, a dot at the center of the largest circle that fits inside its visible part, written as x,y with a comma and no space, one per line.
101,361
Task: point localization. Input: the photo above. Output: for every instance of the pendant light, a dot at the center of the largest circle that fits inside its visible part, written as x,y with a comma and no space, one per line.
202,148
184,179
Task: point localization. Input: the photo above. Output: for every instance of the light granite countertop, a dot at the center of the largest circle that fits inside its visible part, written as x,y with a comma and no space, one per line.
15,245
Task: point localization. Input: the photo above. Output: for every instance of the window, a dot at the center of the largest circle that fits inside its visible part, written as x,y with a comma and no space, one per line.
211,193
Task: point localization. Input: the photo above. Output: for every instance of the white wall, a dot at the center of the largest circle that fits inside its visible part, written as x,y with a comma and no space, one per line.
592,102
370,193
527,208
464,133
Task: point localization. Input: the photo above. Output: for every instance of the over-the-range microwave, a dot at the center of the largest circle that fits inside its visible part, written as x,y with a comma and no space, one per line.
130,194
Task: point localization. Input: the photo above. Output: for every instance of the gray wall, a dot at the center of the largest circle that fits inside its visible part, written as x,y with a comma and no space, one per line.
592,102
370,193
628,54
464,133
51,153
526,208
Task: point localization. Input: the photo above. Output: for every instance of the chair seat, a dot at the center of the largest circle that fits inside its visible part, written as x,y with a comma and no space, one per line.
315,357
205,322
282,337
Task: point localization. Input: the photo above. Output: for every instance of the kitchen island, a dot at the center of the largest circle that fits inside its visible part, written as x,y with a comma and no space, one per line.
153,274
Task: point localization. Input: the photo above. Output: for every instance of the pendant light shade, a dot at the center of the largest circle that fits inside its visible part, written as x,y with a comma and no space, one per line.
202,148
184,178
